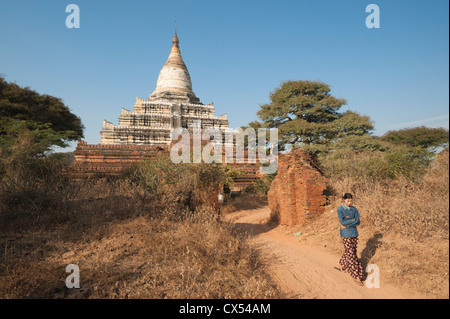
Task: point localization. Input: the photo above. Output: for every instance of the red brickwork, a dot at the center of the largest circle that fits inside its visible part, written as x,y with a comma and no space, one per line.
106,160
297,193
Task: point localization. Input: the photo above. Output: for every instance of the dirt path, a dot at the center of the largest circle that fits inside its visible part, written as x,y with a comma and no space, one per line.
304,271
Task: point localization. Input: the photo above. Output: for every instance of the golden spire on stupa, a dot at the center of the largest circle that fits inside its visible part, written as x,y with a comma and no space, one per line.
175,41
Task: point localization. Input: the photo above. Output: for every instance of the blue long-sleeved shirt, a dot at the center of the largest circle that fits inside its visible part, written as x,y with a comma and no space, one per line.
348,217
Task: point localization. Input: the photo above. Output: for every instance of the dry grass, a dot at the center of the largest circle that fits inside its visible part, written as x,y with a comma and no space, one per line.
412,265
170,253
404,228
244,202
122,254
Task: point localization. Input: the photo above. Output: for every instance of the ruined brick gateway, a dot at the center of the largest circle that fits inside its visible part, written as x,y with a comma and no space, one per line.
297,193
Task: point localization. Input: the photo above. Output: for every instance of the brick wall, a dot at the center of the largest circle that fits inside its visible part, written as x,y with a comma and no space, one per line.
105,160
297,193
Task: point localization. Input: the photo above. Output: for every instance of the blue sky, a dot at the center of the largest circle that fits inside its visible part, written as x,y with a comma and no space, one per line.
237,52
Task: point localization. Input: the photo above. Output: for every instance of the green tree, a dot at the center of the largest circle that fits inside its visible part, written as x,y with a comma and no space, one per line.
416,147
405,153
308,116
40,137
360,143
427,138
31,180
32,111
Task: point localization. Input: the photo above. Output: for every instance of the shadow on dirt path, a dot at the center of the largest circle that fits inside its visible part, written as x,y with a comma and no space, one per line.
307,271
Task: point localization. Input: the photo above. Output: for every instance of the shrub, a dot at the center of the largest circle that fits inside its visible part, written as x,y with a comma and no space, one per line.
177,186
412,208
260,185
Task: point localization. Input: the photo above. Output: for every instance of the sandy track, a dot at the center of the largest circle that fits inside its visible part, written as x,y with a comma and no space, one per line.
304,271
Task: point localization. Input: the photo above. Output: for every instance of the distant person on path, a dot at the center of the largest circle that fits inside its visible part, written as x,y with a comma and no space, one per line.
349,219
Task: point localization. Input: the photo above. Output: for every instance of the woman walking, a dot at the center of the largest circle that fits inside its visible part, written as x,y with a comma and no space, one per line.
349,219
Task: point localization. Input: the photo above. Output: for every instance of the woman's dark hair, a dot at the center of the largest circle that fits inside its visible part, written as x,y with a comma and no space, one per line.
347,195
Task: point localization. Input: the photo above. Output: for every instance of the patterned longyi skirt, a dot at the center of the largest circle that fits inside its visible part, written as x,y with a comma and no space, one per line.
349,260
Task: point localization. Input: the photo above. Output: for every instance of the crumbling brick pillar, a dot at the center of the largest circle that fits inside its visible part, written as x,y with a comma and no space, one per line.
297,193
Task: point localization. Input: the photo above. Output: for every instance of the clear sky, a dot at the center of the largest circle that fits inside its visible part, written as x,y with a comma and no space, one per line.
237,52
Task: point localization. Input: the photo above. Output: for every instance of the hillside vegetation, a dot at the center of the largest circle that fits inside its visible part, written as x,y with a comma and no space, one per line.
404,223
147,234
154,231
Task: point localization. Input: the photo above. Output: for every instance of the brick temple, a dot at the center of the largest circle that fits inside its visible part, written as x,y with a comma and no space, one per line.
146,131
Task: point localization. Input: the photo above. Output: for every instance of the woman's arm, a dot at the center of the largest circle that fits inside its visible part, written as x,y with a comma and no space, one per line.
348,222
357,221
344,222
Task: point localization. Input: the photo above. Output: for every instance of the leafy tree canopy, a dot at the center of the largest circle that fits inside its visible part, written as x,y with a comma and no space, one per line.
38,137
308,116
423,137
47,116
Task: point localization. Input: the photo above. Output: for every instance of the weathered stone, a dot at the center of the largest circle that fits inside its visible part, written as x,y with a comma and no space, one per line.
297,193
